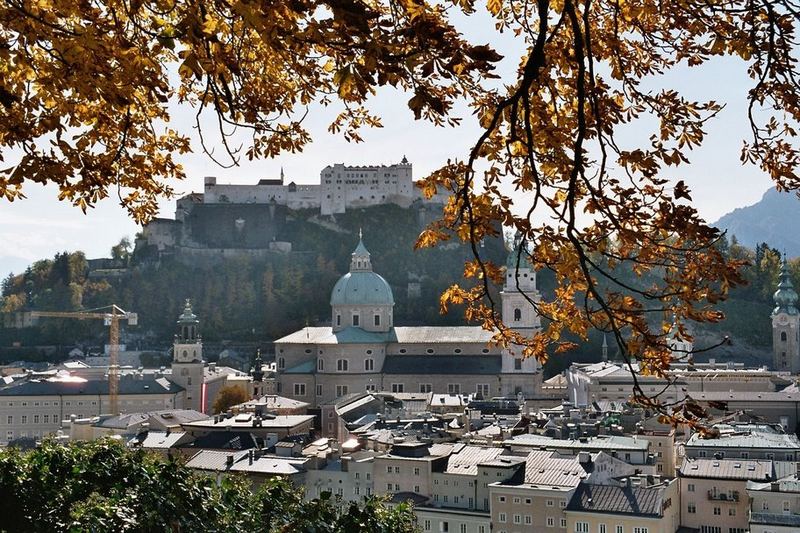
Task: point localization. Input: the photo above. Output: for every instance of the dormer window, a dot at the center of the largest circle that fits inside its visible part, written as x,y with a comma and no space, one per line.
377,320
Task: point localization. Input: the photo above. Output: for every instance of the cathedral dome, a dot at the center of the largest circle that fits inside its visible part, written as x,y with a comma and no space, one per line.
362,288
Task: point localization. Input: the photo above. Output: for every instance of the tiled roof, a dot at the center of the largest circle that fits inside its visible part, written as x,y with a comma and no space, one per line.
786,484
144,385
441,334
442,364
741,469
160,439
466,461
269,465
747,439
747,396
611,499
604,442
400,335
543,469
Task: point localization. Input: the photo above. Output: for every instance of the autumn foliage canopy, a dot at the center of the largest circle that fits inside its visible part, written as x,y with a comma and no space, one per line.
86,88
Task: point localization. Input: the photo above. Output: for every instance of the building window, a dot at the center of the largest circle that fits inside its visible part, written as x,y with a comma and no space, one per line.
517,519
320,365
517,363
691,508
690,487
281,363
482,389
550,503
338,319
620,529
341,365
517,315
319,389
563,523
581,527
341,390
502,518
425,387
24,419
369,364
356,320
377,320
783,336
717,511
10,419
299,389
397,387
601,528
551,522
416,470
453,388
427,525
371,387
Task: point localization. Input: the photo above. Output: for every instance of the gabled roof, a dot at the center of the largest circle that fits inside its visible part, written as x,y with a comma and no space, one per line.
741,469
466,461
611,499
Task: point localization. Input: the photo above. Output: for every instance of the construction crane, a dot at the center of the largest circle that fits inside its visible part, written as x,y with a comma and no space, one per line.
110,316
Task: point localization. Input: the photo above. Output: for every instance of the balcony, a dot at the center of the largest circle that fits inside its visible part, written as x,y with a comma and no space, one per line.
732,496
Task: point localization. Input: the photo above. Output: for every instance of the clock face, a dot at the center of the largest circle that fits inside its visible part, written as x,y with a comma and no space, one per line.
783,319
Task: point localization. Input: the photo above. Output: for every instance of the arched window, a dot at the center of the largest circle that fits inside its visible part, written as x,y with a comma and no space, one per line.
783,336
517,314
281,362
185,353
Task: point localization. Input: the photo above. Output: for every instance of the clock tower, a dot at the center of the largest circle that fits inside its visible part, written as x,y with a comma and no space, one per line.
785,325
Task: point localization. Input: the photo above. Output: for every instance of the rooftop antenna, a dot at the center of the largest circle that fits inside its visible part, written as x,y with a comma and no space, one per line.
281,173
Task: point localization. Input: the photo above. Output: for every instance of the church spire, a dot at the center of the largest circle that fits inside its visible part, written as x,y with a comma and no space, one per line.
360,261
785,297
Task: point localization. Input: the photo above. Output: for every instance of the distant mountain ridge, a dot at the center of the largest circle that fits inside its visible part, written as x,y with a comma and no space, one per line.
775,219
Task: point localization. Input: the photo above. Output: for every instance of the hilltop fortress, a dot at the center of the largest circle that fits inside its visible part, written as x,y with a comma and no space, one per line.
248,219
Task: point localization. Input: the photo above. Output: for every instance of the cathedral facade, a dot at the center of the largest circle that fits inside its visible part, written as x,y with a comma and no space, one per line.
364,350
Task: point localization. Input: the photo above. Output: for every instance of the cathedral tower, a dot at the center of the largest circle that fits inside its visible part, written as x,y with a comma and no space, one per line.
187,361
785,322
519,290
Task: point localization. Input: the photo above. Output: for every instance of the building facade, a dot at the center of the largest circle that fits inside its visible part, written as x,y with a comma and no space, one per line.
364,350
786,325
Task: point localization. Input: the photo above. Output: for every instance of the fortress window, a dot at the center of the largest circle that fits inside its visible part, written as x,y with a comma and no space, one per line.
377,320
356,321
783,336
517,315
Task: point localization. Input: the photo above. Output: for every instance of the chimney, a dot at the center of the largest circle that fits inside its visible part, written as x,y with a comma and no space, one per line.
250,456
229,460
584,458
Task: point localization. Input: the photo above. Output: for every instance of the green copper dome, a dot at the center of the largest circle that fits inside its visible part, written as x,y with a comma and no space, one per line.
785,297
361,286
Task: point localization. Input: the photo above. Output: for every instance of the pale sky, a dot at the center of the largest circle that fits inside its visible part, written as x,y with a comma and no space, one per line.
40,225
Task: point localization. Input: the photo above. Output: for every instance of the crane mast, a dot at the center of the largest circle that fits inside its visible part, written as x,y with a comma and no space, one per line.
111,318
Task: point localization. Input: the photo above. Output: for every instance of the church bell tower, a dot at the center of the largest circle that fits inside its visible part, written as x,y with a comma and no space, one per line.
187,361
520,375
785,322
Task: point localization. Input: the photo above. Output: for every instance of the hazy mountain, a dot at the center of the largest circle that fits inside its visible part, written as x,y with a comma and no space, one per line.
774,220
